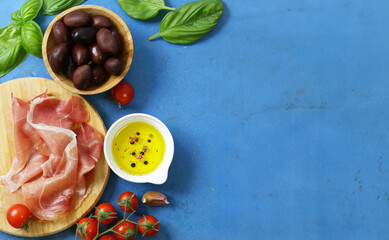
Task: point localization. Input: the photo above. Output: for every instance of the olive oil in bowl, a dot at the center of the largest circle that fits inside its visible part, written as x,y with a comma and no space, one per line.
138,148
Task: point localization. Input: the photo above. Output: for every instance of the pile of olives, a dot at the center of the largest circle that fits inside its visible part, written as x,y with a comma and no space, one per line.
87,49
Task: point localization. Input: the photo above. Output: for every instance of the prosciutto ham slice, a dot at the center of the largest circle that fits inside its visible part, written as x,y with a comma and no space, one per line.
31,170
59,113
24,149
90,144
50,197
51,159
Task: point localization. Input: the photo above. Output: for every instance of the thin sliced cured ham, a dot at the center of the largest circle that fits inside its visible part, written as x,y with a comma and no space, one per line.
89,143
48,198
23,145
74,109
59,113
51,165
30,171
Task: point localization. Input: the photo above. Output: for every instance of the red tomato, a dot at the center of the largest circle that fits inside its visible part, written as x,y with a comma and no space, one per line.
104,209
90,228
18,215
131,205
148,226
123,93
127,228
107,237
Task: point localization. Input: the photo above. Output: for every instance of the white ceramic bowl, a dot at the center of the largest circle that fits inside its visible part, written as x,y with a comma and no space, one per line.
159,175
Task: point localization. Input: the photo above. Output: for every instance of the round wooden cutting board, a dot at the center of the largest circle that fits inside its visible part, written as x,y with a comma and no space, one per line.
26,89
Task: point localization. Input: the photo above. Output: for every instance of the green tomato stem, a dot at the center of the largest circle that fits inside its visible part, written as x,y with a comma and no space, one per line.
117,224
110,229
98,227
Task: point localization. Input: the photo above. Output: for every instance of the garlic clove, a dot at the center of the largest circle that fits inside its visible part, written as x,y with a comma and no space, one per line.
154,198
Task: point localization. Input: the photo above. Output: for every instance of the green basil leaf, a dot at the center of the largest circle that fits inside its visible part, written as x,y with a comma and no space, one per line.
76,3
190,22
30,9
32,38
11,49
17,17
52,7
143,9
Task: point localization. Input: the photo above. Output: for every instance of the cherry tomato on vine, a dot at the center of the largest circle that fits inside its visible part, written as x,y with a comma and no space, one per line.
148,226
123,92
18,216
107,210
107,237
132,204
90,228
128,228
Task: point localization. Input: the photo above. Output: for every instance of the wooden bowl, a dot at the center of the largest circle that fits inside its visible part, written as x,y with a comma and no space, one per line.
126,55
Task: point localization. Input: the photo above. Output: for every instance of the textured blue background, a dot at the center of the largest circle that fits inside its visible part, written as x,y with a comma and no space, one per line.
279,116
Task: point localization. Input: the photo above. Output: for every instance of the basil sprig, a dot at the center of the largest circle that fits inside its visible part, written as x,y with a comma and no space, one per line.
184,25
20,38
32,38
52,7
30,9
12,52
143,9
24,36
16,18
190,22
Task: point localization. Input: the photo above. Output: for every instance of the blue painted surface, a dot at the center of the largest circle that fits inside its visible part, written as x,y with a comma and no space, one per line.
280,118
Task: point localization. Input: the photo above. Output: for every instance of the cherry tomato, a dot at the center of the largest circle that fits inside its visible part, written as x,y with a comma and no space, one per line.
107,237
148,226
132,204
104,208
127,228
90,228
123,92
18,215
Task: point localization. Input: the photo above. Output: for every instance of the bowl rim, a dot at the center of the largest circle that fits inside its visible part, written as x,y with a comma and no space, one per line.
160,174
102,88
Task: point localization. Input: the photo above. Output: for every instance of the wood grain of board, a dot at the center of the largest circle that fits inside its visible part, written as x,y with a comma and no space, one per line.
27,88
